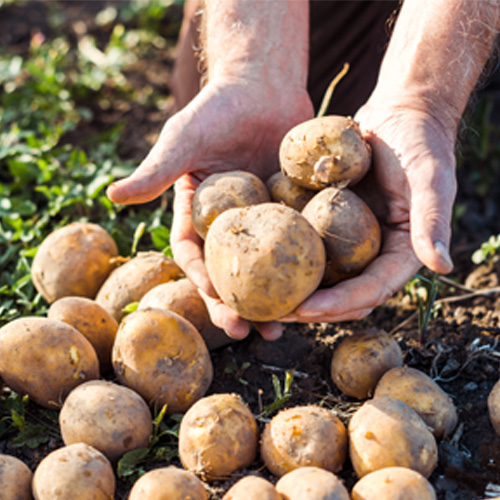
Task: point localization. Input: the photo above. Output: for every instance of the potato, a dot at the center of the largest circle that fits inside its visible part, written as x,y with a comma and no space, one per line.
182,297
325,151
73,260
386,432
361,359
283,190
393,483
77,471
15,479
419,391
494,407
45,359
222,191
162,356
252,488
304,436
217,436
129,282
168,483
92,321
112,418
349,229
264,260
311,483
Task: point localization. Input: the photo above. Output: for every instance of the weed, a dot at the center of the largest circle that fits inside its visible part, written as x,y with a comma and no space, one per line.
487,250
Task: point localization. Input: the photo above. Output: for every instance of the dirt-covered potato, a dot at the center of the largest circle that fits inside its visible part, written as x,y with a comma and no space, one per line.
73,260
168,483
222,191
393,483
129,282
15,479
304,436
264,260
325,151
252,488
110,417
283,190
349,229
359,361
424,395
385,432
217,436
494,407
92,321
162,356
311,483
77,471
45,359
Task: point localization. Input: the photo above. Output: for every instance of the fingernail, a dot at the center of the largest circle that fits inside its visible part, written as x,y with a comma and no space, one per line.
443,252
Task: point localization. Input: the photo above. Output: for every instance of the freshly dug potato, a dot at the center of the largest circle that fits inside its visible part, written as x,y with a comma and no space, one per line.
349,229
283,190
217,436
264,260
494,407
304,436
129,282
77,471
361,359
311,483
222,191
325,151
419,391
168,483
110,417
182,297
393,483
45,359
162,356
252,488
92,321
385,432
73,260
15,479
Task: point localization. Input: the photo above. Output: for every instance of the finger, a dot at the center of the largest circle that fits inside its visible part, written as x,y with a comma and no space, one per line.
271,330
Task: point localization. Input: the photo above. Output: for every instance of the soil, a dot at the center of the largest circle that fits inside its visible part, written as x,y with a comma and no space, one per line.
460,350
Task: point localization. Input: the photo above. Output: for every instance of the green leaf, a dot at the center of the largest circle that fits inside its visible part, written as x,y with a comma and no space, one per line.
128,464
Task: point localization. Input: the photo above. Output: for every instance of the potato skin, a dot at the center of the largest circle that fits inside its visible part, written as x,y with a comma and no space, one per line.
349,229
419,391
73,260
335,141
217,436
264,260
283,190
494,407
15,479
252,488
304,436
45,359
162,356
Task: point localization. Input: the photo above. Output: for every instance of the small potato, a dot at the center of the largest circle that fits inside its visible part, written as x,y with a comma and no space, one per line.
110,417
162,356
76,472
393,483
264,260
168,483
311,483
283,190
385,432
361,359
419,391
349,229
217,436
252,488
304,436
73,260
494,407
325,151
92,321
129,282
15,479
219,192
45,359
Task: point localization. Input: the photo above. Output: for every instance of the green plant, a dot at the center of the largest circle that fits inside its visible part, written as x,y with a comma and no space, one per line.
281,396
487,250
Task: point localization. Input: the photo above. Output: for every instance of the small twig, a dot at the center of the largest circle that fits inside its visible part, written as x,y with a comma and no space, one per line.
329,91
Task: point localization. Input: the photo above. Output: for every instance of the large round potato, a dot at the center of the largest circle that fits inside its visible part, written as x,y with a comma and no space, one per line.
15,479
162,356
264,260
283,190
73,260
45,359
252,488
494,407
